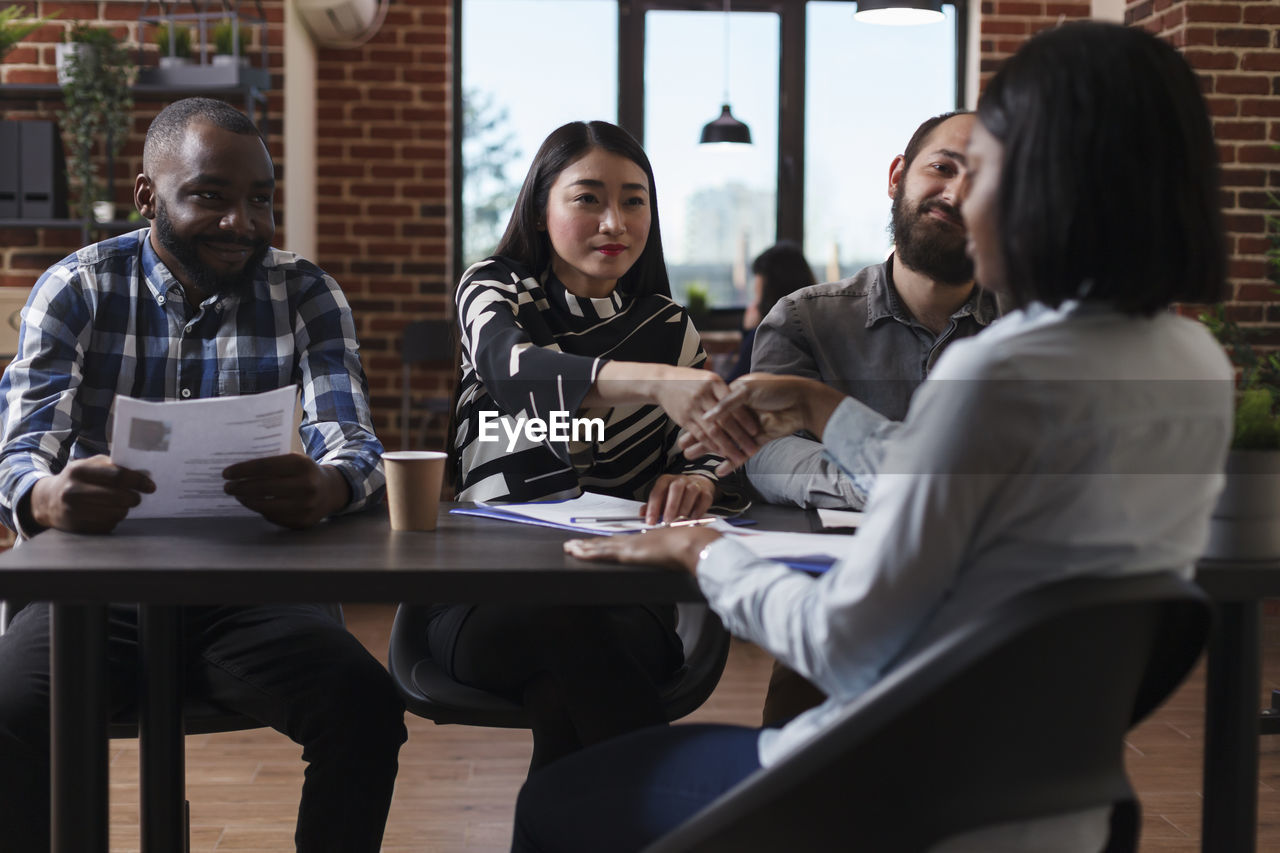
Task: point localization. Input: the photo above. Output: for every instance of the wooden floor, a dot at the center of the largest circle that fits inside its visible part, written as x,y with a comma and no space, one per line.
457,785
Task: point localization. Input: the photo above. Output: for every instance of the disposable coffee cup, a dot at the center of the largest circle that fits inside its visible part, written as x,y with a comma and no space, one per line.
414,478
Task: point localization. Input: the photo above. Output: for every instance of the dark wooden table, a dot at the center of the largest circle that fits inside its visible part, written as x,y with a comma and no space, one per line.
1233,684
162,564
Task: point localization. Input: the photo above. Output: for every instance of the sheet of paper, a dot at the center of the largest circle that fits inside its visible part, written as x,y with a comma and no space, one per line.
572,514
185,444
839,517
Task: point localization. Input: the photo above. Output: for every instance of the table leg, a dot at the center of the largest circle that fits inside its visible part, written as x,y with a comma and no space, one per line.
78,727
160,733
1233,683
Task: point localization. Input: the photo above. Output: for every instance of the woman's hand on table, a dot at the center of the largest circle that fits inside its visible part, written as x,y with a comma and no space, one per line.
780,405
676,496
672,547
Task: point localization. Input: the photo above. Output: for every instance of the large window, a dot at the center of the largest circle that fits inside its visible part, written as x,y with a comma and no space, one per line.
829,100
528,66
867,88
718,203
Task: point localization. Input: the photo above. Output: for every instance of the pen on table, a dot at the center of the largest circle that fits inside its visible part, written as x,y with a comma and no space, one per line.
609,519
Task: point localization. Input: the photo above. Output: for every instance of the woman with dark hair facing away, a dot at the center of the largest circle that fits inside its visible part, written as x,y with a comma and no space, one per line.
1082,434
779,271
572,318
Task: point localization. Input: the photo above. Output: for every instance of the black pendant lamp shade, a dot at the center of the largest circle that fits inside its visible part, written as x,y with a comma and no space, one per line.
899,11
726,129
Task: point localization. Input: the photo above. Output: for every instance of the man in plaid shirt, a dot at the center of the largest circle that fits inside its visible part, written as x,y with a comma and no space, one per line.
199,305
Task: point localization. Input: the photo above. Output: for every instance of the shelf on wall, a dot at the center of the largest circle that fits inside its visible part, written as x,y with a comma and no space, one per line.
120,225
143,91
250,83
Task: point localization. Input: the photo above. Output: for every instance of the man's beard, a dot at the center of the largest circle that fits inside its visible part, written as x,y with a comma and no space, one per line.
928,245
210,283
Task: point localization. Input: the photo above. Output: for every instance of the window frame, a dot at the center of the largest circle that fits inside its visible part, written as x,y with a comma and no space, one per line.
792,51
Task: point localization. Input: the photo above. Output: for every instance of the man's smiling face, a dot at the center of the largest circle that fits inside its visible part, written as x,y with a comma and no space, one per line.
211,202
928,230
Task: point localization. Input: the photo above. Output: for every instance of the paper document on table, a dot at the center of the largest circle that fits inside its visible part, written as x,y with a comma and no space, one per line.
839,517
599,515
609,514
184,445
810,552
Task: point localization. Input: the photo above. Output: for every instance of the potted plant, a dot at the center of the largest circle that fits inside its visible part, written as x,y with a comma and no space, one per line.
228,43
1246,521
14,28
98,103
697,300
174,43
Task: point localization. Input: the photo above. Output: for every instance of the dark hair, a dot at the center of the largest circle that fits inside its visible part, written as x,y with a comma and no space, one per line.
1109,183
167,129
525,243
921,135
783,270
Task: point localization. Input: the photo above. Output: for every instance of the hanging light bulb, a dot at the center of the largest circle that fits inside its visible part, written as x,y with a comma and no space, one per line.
899,12
726,128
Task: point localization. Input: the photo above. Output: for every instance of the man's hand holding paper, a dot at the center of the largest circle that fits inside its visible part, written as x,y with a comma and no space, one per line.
87,496
290,490
193,450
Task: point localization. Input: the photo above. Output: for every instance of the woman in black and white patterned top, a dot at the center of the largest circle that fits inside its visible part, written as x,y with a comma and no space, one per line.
540,349
572,318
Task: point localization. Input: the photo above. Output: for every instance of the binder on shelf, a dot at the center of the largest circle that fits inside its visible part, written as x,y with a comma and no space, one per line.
43,188
10,169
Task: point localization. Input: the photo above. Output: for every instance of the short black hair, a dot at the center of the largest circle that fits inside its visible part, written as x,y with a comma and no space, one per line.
1109,181
168,128
782,270
922,134
525,243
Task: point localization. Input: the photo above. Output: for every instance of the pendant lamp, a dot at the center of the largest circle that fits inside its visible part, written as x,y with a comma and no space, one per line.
726,128
899,12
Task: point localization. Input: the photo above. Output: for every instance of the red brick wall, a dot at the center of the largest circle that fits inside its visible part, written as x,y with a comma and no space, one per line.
1234,45
384,189
383,163
1005,24
25,254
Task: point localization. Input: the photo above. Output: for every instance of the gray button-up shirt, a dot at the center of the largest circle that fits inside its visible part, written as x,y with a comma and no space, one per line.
857,336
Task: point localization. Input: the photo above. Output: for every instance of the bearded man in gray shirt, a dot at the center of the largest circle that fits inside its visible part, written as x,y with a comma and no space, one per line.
876,335
873,336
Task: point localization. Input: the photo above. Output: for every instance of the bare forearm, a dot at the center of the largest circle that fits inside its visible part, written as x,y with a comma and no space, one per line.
621,383
337,490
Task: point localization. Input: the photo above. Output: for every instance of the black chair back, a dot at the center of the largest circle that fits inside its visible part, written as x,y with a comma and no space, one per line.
424,341
429,692
1018,715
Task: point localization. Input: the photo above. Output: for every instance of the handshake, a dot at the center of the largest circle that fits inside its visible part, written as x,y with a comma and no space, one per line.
755,409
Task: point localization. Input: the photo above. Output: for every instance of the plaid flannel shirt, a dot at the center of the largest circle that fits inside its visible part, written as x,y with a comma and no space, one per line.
111,319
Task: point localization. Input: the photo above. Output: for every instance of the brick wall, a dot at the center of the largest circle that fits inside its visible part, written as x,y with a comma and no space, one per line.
24,254
1003,25
1234,45
384,176
383,163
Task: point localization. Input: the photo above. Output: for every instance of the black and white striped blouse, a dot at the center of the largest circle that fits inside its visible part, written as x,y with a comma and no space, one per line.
531,349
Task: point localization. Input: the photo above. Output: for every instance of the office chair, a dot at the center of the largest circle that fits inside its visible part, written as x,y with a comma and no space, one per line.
1017,715
424,341
428,692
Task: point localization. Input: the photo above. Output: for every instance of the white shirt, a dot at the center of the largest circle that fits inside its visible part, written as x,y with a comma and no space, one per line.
1059,442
